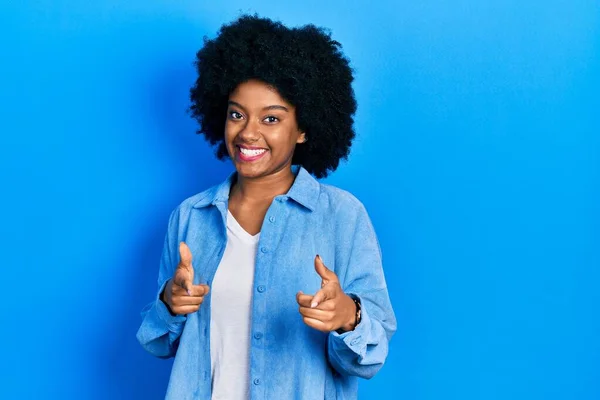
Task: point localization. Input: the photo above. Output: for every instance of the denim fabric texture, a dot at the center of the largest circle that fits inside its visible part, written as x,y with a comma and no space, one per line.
288,359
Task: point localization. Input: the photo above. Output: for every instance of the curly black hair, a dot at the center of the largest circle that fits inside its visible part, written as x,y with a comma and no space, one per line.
304,64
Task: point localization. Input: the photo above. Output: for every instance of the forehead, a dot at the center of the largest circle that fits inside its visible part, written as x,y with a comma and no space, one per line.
257,94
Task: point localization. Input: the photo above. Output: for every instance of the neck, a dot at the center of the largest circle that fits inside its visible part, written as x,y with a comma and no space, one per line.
263,188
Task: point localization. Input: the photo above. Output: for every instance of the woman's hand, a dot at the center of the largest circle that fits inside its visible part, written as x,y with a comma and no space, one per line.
180,295
330,308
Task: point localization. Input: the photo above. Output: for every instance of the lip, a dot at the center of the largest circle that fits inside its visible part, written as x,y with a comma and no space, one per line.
245,146
244,158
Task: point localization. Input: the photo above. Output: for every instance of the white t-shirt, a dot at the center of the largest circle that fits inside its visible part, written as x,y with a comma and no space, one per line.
230,316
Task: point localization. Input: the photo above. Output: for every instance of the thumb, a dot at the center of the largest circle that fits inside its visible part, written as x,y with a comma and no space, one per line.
325,274
185,255
185,262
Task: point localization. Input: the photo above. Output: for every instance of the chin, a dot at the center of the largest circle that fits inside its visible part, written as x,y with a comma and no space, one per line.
250,171
253,171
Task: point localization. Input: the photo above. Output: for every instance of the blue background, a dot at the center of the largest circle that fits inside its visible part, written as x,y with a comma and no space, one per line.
477,158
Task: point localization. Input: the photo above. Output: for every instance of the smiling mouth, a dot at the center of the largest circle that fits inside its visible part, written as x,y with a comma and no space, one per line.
251,152
245,154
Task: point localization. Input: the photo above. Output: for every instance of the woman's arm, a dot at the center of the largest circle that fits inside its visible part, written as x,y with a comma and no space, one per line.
160,330
362,351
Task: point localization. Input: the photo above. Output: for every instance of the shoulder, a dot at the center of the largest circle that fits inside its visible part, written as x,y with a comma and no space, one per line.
341,201
349,217
198,200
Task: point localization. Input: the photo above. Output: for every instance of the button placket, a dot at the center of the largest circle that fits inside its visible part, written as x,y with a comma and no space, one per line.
263,259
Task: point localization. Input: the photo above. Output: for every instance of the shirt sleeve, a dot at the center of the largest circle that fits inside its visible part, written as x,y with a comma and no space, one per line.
362,352
160,330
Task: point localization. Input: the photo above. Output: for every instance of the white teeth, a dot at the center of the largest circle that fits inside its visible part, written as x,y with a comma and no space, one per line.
251,153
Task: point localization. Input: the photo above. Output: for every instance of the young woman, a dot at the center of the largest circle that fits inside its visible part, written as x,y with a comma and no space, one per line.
271,283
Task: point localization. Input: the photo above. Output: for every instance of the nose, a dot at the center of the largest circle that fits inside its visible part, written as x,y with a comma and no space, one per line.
250,132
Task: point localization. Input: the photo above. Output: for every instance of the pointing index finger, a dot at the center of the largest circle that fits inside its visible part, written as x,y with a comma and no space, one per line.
303,299
199,290
318,298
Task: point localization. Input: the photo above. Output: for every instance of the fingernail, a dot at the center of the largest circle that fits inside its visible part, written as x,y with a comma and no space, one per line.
319,257
313,304
189,292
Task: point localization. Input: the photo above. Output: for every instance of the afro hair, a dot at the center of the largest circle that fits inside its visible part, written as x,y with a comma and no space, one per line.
305,65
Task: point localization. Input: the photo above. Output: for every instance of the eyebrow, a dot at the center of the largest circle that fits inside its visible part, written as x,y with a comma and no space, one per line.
273,107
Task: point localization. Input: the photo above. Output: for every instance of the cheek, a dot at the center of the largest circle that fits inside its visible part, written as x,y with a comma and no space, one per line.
280,145
229,134
228,139
285,139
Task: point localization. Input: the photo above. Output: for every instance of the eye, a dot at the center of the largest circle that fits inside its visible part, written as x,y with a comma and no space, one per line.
271,119
235,115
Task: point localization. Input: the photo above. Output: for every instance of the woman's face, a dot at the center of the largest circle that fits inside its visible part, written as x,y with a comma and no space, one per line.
261,131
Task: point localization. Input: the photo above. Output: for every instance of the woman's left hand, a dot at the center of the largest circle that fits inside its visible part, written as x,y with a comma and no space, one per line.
330,308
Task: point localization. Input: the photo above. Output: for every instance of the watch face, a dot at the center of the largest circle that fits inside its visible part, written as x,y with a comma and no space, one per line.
358,309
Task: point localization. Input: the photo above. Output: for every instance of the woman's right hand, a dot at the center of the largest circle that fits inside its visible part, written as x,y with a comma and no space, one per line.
180,295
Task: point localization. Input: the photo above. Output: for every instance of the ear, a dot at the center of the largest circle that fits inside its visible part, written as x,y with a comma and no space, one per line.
301,138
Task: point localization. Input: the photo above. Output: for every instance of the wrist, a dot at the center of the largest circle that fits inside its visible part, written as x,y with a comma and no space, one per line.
353,315
163,299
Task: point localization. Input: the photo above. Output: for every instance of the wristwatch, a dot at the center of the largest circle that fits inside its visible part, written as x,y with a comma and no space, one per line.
358,309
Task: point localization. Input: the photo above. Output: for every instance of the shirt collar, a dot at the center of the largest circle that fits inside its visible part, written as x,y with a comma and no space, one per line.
305,190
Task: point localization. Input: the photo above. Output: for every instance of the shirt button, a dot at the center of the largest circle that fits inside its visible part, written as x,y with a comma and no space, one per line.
261,289
271,219
264,249
258,336
256,381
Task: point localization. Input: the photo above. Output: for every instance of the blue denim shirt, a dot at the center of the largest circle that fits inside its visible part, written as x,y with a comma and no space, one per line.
288,359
